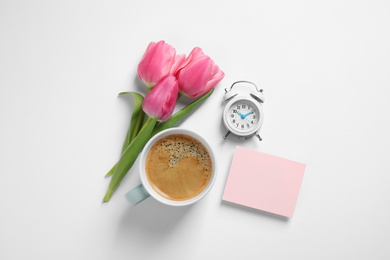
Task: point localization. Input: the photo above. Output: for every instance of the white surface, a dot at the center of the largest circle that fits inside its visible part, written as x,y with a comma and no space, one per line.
324,67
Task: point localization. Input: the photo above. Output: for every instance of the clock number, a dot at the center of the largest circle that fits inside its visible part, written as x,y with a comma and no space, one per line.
234,110
231,115
242,126
254,116
234,120
243,106
237,124
252,121
238,107
247,125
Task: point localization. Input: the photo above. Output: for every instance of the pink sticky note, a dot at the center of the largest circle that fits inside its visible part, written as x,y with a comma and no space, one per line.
264,182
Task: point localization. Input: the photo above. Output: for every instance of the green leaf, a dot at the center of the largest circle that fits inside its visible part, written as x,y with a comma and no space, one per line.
129,156
137,118
111,171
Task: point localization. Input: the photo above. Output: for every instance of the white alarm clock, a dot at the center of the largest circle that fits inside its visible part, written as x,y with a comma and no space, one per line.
243,114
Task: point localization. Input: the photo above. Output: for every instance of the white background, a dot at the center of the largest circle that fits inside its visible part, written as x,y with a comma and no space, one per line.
324,67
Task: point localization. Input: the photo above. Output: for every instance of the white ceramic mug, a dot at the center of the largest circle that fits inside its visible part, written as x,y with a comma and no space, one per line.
145,190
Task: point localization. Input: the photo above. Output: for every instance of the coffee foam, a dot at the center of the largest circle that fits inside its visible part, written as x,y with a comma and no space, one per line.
178,167
180,146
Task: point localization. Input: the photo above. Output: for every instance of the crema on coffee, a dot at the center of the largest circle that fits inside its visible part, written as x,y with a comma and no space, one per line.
178,167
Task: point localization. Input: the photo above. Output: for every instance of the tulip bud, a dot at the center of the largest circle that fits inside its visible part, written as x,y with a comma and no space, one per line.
161,100
159,60
199,75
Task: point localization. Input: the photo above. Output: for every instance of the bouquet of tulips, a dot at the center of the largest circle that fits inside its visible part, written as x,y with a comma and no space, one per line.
167,76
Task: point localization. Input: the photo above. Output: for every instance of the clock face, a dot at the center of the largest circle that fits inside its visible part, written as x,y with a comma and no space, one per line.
242,116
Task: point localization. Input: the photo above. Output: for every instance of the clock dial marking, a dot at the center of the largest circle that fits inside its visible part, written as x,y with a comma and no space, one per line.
242,116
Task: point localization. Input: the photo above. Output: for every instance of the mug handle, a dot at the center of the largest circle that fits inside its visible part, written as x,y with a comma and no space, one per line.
136,195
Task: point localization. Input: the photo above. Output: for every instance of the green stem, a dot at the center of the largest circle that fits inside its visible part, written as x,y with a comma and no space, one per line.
137,118
137,126
146,123
129,156
113,168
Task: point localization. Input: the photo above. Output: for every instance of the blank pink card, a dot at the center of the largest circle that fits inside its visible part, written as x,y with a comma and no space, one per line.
264,182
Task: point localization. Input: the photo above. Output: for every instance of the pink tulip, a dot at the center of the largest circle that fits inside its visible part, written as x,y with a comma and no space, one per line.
161,100
159,60
199,75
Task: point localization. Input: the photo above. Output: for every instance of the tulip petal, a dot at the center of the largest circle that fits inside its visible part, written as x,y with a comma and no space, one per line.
213,81
161,100
178,63
156,63
196,52
150,46
199,75
193,79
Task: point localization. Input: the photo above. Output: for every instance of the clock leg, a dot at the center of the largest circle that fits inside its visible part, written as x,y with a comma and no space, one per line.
258,136
227,134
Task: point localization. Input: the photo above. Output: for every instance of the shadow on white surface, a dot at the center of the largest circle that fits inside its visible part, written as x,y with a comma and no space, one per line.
137,85
255,211
151,220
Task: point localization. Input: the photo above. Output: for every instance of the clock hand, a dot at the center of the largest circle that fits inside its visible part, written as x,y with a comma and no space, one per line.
249,121
242,116
249,113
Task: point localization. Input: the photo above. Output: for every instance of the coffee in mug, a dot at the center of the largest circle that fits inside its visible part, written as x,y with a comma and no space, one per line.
178,167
